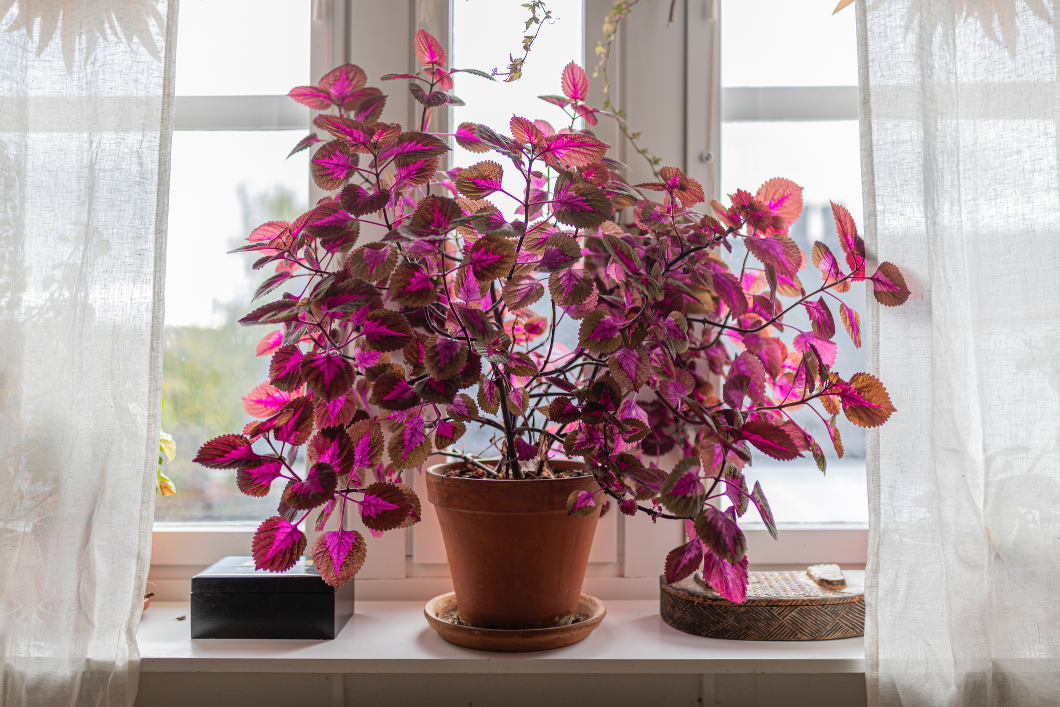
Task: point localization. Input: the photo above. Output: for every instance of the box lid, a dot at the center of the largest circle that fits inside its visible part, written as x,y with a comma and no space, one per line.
237,575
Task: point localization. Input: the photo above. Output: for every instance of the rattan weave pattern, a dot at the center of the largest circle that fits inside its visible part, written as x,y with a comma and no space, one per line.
779,607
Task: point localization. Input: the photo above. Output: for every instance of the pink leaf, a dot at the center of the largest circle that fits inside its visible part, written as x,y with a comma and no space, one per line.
339,555
317,488
587,113
574,149
720,533
311,96
682,561
343,84
373,505
849,239
329,375
770,439
575,82
277,545
265,400
269,343
784,199
728,580
825,349
228,452
689,485
339,543
267,231
428,49
821,318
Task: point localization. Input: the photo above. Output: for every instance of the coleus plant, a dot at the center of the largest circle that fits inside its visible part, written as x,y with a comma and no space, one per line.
375,345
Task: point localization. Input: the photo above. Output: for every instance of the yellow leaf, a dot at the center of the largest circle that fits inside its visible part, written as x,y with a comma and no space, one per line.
167,445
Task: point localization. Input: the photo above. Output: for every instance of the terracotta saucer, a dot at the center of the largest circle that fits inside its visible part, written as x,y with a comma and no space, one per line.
442,615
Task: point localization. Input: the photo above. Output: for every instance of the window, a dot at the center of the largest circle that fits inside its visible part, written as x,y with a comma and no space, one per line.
794,116
235,126
789,78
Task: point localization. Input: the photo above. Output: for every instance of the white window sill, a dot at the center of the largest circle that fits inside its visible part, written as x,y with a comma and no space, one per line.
393,637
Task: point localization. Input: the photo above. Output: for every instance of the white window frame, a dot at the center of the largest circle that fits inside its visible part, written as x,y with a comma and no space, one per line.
409,564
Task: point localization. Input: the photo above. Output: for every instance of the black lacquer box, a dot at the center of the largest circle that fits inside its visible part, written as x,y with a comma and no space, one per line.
231,599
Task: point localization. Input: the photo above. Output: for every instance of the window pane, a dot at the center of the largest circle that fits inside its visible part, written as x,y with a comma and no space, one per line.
823,157
223,185
787,43
485,32
242,47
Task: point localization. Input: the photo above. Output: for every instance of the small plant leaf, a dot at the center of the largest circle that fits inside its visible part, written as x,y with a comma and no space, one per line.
682,561
727,579
228,452
386,330
409,445
317,488
388,506
448,432
575,82
720,533
429,50
852,323
519,294
820,318
339,555
444,358
479,180
277,545
770,439
329,376
865,401
888,286
411,286
366,436
600,333
759,498
581,504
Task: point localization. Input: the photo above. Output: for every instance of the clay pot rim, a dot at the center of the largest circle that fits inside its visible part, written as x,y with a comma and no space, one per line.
433,471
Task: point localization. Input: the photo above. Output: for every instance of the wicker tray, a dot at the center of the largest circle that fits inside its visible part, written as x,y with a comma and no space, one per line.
781,606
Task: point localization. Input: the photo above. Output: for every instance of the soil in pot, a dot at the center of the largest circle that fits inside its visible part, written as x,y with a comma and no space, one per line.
517,559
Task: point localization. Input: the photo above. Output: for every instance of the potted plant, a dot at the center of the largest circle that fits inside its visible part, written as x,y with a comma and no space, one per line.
378,348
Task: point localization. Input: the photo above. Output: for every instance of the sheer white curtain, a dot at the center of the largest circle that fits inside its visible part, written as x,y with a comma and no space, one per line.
960,110
86,105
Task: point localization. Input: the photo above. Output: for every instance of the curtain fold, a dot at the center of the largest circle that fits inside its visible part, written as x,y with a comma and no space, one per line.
86,119
960,111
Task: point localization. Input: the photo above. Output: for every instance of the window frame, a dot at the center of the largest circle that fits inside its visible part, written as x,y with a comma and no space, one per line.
180,550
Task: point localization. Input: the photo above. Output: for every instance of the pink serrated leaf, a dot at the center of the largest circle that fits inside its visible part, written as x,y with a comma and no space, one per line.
728,580
825,349
269,343
227,452
373,505
265,400
277,545
682,561
575,82
428,49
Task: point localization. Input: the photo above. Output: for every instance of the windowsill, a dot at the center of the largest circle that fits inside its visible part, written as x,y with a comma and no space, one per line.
393,637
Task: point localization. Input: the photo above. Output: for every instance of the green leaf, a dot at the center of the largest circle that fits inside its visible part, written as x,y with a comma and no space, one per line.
475,72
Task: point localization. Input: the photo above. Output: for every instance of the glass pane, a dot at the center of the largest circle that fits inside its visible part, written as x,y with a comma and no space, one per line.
242,47
223,185
823,157
787,43
485,32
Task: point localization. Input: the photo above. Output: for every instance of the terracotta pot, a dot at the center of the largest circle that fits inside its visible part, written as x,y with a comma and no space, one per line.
517,558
